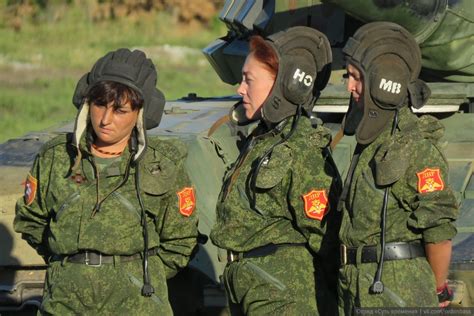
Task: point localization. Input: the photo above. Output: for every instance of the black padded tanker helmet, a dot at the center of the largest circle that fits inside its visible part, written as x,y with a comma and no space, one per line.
133,69
389,60
304,56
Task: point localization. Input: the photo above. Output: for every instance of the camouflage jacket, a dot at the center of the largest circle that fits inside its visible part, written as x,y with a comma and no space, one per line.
276,210
58,217
421,205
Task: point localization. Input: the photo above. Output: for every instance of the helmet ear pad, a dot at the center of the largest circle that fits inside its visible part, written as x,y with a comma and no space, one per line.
388,80
297,76
385,91
293,86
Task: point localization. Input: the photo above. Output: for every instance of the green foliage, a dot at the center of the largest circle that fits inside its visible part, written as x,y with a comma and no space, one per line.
34,106
41,62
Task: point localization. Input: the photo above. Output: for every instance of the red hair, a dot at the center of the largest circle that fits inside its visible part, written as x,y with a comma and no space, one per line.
264,53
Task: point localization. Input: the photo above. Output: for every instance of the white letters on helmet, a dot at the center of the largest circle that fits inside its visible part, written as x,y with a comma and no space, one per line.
390,86
306,79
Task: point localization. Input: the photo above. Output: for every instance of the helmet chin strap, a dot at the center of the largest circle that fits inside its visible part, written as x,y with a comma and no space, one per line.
377,286
147,289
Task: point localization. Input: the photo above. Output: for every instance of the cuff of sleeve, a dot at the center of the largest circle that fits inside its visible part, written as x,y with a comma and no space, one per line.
439,233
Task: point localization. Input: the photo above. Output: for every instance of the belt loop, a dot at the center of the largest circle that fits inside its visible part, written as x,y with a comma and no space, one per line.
359,255
343,254
116,260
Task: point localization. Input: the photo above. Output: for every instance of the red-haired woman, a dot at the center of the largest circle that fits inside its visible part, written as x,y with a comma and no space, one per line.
274,211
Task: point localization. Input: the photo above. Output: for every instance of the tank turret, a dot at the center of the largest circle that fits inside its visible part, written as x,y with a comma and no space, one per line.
444,29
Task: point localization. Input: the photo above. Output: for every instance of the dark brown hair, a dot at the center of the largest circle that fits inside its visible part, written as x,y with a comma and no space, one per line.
264,53
105,92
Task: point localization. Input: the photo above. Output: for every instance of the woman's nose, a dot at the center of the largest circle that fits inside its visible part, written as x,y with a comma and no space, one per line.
241,90
350,85
107,116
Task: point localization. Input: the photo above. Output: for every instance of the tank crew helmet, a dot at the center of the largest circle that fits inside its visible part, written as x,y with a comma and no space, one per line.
133,69
304,56
389,60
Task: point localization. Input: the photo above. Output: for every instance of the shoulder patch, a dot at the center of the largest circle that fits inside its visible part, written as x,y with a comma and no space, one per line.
186,201
315,204
31,185
429,180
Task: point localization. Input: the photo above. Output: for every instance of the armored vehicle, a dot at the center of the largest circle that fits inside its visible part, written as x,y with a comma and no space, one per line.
444,30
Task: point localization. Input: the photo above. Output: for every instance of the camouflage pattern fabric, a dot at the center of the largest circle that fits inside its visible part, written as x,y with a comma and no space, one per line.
275,212
60,221
280,284
111,289
414,212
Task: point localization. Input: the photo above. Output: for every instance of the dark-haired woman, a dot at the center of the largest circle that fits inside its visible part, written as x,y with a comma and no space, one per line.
110,210
275,215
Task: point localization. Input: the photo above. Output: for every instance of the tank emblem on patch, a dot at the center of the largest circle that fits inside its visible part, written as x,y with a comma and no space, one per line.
31,185
315,204
429,180
186,201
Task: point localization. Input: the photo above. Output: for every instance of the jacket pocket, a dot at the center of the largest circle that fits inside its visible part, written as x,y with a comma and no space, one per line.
266,276
274,167
64,226
71,199
158,176
127,204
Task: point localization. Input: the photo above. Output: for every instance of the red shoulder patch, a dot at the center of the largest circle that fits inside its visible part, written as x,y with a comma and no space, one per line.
315,204
31,186
186,201
429,180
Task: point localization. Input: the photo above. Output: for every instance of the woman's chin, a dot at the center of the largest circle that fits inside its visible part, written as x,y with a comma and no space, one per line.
104,140
253,116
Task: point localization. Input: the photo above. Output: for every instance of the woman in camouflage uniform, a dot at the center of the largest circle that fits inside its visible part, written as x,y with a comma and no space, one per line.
110,210
398,207
274,213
